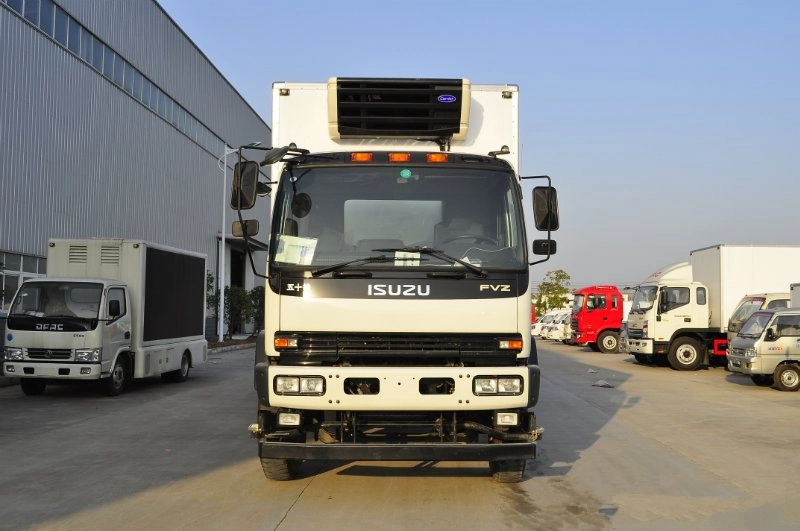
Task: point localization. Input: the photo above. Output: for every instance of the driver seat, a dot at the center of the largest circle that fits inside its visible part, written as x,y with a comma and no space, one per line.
443,232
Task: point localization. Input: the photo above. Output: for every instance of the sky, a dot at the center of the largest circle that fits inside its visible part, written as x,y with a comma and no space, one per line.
666,126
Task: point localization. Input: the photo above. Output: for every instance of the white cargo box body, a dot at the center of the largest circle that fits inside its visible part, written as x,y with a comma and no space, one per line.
166,286
794,295
302,114
732,271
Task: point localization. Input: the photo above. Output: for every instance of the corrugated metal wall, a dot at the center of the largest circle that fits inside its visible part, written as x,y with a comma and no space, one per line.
81,157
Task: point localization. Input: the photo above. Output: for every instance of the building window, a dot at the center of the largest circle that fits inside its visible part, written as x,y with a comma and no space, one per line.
60,30
46,13
16,5
97,55
86,46
108,62
74,44
32,11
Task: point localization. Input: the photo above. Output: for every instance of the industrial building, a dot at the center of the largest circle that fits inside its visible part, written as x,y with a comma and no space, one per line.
114,124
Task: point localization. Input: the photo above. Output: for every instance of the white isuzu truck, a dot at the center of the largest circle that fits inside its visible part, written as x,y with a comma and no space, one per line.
109,310
682,312
398,286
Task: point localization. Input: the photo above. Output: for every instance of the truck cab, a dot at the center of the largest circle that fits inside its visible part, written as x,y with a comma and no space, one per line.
597,315
767,348
68,329
753,303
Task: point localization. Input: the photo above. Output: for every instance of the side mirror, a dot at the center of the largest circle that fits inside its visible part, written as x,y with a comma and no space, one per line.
769,335
245,185
114,309
544,247
545,208
247,227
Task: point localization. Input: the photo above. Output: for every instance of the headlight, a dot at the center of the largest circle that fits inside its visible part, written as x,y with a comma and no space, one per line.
13,354
750,352
88,355
300,385
497,385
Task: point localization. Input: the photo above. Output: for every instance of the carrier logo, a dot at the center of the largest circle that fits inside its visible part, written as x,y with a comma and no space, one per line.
446,98
57,327
398,290
496,287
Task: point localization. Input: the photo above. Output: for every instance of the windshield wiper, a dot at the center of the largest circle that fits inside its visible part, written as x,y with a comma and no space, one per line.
382,259
477,271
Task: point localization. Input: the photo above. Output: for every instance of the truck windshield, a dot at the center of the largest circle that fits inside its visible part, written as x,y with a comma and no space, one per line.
755,324
745,310
577,303
643,298
330,215
58,300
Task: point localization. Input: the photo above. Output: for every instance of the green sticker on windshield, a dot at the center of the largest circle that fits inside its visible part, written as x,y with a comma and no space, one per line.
405,174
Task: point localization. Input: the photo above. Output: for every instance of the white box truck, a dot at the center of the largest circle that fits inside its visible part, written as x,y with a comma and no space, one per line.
683,315
398,296
110,310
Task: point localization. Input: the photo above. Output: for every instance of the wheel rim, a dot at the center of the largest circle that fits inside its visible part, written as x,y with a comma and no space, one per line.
790,378
686,355
609,343
117,376
185,365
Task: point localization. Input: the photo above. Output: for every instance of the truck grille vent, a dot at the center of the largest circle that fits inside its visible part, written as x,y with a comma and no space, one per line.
398,349
45,354
78,254
634,333
406,108
109,255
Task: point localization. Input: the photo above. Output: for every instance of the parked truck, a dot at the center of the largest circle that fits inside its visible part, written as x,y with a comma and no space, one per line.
767,349
597,316
398,300
753,303
109,310
682,313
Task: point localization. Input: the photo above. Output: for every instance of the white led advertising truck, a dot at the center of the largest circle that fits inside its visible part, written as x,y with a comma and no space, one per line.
397,319
109,310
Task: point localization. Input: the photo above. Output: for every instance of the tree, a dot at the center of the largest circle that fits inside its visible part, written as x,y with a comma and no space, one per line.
257,300
238,308
553,291
212,294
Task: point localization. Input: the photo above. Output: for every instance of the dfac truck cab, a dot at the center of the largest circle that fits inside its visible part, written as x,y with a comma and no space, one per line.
398,306
753,303
767,348
597,316
110,310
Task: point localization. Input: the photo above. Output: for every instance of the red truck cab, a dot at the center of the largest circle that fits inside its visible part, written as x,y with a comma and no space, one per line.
597,316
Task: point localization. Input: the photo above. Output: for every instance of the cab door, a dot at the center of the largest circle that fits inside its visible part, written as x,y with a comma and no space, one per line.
786,330
117,326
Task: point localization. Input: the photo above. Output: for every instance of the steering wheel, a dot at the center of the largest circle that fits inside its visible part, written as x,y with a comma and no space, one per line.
476,237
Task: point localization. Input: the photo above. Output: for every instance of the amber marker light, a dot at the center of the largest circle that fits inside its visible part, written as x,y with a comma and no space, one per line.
511,344
437,157
360,157
399,157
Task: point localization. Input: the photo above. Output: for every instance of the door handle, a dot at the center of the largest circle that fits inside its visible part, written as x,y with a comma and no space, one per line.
127,335
687,319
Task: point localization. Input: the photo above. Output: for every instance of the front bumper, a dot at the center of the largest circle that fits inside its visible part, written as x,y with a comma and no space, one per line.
52,371
640,346
398,452
756,365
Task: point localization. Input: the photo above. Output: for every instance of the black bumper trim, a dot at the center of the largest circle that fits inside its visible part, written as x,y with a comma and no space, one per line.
398,452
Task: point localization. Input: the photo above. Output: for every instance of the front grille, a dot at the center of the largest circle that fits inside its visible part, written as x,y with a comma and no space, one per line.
49,354
398,349
634,333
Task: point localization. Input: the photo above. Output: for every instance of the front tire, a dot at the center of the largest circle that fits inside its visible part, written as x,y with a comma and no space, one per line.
787,377
608,342
762,380
594,347
280,469
685,354
644,359
32,387
116,383
508,471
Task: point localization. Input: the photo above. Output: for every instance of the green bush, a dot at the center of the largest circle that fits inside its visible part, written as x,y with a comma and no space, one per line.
238,309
